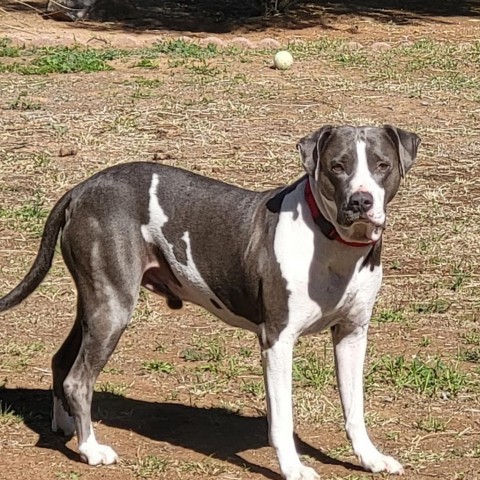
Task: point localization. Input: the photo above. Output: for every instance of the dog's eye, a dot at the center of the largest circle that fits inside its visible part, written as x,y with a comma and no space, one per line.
337,168
383,167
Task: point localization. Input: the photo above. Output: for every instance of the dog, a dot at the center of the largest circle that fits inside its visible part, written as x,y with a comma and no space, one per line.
282,263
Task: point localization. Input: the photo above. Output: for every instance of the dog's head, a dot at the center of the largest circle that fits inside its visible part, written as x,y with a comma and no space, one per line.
354,172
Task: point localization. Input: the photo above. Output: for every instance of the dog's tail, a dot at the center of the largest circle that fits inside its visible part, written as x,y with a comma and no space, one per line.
55,222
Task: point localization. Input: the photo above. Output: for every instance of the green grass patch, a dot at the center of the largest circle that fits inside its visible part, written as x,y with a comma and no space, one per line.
432,424
157,366
181,48
64,60
426,377
7,50
436,305
389,315
27,218
118,389
310,371
210,350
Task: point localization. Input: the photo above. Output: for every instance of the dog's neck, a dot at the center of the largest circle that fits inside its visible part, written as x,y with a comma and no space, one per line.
325,226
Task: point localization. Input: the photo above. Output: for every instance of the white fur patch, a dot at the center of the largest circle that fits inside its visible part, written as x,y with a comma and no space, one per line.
194,289
94,453
363,181
323,288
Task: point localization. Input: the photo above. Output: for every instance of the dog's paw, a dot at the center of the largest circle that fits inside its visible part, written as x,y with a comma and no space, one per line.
96,454
381,463
302,473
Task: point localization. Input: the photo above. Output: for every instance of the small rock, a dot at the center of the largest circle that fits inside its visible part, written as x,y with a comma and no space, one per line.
268,43
218,42
241,42
380,46
67,151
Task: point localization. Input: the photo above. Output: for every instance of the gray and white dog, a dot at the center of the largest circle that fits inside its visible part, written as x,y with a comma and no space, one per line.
282,263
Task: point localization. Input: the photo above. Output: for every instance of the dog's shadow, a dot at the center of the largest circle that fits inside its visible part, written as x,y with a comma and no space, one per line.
214,432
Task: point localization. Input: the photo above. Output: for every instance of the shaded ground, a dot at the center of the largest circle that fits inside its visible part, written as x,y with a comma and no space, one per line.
217,16
182,396
361,20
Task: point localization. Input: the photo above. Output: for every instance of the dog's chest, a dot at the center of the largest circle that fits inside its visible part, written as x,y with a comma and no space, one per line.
326,282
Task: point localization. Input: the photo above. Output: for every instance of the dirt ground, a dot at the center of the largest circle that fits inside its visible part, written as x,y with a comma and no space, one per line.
182,396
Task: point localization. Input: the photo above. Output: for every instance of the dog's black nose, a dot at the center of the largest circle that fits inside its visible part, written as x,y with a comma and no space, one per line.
360,202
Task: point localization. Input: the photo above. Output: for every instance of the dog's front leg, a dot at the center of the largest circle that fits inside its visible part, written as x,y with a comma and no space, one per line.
350,345
277,367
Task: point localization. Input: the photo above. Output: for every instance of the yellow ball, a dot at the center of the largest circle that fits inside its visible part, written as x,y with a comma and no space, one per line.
283,60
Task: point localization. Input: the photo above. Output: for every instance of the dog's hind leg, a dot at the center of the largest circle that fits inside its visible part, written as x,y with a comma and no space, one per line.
104,317
107,272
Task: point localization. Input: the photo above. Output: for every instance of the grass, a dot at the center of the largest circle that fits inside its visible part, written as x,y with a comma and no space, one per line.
157,366
180,48
7,50
212,350
310,371
206,468
20,350
68,475
470,355
29,218
154,466
471,338
436,305
432,424
150,466
425,377
118,389
8,416
50,60
21,102
64,60
389,315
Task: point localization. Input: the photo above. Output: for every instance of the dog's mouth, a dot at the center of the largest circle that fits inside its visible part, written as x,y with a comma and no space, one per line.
354,218
361,227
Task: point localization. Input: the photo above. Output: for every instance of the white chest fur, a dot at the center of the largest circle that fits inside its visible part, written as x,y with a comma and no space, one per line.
326,281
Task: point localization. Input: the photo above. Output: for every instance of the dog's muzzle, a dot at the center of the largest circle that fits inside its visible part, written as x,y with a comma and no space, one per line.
359,209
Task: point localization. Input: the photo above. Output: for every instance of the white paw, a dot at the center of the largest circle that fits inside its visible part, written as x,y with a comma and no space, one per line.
381,463
61,420
97,454
301,473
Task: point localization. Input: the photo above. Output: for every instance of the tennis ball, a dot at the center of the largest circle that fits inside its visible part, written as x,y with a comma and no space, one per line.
283,60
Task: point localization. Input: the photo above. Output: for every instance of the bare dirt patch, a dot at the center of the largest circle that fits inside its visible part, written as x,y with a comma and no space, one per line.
182,396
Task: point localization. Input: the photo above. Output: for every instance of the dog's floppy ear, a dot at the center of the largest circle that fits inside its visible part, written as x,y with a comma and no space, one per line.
310,148
406,144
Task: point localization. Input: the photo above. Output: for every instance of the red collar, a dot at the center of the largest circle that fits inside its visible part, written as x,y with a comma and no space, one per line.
325,226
